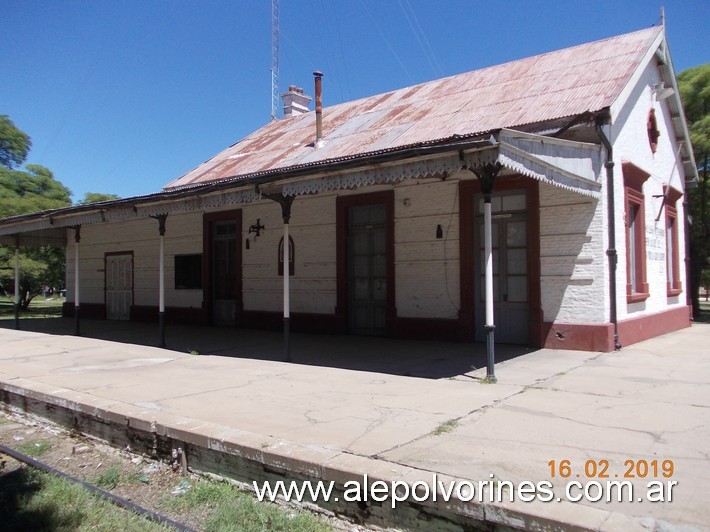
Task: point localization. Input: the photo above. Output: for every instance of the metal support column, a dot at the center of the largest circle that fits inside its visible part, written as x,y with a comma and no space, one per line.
161,276
285,202
287,292
17,283
487,175
77,312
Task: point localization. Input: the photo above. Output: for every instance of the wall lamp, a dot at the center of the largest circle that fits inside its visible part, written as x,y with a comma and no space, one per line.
662,92
256,228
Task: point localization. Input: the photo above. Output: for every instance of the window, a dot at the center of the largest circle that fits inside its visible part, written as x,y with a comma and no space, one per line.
188,272
636,283
673,283
653,132
291,254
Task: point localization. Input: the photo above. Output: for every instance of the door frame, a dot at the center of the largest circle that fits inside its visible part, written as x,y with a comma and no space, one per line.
467,192
343,203
133,280
208,223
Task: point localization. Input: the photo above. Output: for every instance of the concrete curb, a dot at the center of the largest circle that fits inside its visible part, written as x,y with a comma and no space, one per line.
246,456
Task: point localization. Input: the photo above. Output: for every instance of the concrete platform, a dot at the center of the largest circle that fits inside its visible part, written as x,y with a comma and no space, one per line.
253,418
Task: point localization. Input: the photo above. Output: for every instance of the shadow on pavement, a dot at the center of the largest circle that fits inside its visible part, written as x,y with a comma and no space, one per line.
425,359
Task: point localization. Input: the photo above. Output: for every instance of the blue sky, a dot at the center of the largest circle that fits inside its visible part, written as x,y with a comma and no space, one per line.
124,96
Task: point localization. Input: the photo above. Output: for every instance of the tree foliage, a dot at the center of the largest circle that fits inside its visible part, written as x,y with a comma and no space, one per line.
96,197
32,190
22,191
694,85
14,144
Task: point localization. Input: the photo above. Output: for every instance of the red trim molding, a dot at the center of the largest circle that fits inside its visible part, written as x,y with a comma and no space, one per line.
208,221
343,203
644,327
579,336
634,178
300,322
92,311
184,315
428,329
467,191
600,337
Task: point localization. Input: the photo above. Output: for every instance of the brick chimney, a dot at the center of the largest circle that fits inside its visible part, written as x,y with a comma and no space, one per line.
295,102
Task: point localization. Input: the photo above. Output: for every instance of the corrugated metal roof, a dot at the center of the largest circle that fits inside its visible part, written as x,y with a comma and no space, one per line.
537,89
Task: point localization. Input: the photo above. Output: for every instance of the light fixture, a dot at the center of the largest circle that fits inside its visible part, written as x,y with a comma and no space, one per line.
662,92
439,231
256,228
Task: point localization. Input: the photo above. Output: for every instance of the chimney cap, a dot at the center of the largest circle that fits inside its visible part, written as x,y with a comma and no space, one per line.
318,74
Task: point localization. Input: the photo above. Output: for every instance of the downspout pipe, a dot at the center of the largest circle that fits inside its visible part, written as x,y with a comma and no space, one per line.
600,119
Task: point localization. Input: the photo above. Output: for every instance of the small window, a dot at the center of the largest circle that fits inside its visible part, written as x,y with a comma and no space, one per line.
635,214
188,272
653,132
291,255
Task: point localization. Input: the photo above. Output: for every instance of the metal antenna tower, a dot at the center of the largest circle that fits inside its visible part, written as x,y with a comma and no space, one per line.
274,59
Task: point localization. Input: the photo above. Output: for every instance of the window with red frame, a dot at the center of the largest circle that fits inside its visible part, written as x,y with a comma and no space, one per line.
635,215
673,282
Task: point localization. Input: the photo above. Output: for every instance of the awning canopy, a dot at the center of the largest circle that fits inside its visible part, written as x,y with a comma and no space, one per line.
566,164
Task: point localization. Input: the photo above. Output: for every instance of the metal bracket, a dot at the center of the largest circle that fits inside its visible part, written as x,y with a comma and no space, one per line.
487,175
161,222
284,201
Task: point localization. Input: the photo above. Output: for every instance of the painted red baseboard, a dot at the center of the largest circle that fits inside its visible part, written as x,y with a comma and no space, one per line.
600,337
644,327
579,336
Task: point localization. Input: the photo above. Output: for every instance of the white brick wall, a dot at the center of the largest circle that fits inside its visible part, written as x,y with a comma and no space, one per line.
427,268
572,258
312,227
183,235
631,144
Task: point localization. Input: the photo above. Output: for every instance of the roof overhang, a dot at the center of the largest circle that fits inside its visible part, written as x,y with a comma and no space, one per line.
570,165
566,164
659,53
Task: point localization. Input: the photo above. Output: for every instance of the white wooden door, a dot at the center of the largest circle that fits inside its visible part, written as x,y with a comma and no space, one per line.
119,286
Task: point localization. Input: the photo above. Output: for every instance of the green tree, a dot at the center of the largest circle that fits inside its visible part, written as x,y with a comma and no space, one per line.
694,85
22,191
32,190
95,197
14,144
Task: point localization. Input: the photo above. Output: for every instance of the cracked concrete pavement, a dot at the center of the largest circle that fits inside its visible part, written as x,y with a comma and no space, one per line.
650,401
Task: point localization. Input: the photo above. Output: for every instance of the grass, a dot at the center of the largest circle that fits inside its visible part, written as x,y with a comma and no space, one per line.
39,308
232,509
111,477
34,447
32,500
446,426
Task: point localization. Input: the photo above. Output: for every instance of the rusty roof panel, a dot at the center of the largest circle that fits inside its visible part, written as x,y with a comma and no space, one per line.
537,89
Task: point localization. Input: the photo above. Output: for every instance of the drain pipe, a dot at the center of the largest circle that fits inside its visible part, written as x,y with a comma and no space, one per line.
600,119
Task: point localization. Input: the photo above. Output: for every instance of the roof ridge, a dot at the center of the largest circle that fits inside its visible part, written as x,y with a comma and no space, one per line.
496,65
